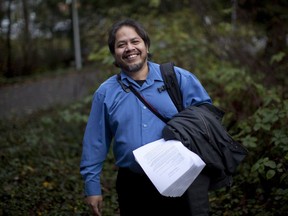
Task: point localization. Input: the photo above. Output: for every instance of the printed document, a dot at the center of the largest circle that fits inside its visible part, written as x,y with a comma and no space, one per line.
170,166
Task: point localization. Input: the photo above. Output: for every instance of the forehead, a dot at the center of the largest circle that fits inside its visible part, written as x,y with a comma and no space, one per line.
126,33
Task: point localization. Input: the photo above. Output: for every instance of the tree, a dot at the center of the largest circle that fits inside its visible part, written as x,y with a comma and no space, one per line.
8,60
27,49
272,19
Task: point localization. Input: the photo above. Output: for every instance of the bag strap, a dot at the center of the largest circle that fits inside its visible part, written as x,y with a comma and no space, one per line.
171,84
141,98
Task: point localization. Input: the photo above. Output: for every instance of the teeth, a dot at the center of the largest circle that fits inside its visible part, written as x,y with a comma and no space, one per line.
131,56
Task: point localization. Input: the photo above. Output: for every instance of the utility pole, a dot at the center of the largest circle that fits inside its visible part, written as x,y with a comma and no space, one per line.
234,15
76,37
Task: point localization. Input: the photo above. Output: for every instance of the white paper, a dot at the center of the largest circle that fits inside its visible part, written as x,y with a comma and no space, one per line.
170,166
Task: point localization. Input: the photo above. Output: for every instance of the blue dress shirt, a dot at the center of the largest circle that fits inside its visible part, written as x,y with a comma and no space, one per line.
122,116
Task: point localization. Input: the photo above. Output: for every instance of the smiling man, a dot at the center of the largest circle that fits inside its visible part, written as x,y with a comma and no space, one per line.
118,115
131,52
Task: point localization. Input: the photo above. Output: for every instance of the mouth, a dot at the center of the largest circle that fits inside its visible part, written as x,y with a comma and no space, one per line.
131,57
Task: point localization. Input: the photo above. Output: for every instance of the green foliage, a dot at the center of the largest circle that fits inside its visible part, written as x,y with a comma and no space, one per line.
262,180
40,155
102,55
277,57
39,167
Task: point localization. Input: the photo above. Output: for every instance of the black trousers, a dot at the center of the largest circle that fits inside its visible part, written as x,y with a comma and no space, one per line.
138,196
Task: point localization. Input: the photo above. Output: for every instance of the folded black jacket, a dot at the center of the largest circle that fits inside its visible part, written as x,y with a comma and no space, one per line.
200,129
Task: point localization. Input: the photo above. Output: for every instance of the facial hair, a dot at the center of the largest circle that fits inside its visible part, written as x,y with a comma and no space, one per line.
131,68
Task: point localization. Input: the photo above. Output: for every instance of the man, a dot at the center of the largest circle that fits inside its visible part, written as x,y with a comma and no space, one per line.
119,115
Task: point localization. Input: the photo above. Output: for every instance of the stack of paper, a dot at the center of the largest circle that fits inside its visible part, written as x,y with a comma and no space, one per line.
170,166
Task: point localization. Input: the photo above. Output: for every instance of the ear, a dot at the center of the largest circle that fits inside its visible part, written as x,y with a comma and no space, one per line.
147,47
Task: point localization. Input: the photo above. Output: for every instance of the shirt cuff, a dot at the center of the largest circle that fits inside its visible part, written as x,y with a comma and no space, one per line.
92,189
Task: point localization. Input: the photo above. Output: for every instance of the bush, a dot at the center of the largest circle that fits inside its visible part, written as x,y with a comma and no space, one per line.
40,159
260,186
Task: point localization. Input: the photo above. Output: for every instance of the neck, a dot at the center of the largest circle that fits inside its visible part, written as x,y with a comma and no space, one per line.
140,74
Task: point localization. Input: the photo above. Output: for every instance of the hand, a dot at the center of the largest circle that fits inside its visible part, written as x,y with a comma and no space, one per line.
95,204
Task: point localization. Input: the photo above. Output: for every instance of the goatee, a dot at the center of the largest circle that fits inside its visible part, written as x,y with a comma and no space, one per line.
133,68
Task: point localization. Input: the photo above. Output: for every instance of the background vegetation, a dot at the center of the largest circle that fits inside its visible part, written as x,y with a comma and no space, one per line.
238,49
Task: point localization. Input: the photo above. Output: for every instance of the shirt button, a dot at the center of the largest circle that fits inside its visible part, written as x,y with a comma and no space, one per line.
144,125
144,107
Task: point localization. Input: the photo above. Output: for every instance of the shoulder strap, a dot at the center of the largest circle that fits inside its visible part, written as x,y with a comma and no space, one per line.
152,109
171,84
141,98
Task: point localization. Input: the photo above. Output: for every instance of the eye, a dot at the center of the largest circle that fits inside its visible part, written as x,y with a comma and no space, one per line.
135,41
120,45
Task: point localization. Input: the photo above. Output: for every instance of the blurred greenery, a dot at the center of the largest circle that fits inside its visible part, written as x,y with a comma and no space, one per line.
242,64
40,158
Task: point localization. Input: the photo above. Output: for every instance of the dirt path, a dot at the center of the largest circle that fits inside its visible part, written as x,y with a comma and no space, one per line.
26,98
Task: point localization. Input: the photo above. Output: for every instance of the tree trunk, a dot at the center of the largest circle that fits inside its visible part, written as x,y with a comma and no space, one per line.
26,43
276,35
8,72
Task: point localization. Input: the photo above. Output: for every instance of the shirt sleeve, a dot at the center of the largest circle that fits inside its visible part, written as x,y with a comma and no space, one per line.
96,143
192,90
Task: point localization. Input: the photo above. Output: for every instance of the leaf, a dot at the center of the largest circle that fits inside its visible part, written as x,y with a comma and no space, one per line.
154,3
286,156
249,141
270,174
277,57
255,167
270,164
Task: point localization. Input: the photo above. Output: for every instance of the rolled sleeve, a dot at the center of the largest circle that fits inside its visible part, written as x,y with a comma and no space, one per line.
96,144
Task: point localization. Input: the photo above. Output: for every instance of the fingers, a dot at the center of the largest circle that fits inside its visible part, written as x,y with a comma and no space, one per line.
96,210
95,204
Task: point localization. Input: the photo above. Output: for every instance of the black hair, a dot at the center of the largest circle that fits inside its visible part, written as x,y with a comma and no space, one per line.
131,23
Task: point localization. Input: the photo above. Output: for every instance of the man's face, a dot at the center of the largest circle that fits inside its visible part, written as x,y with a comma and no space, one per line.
130,50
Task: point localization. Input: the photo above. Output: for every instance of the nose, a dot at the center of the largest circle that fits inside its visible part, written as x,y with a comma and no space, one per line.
129,47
